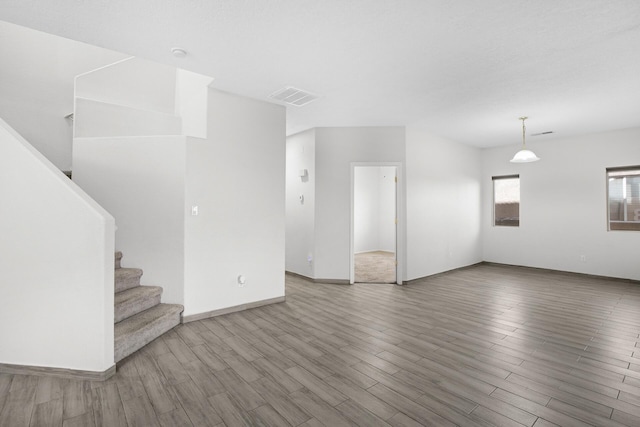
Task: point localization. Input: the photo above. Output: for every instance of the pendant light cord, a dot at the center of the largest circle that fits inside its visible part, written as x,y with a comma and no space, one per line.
523,131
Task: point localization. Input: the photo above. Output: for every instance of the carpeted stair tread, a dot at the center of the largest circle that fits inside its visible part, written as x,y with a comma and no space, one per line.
126,278
135,300
139,316
137,331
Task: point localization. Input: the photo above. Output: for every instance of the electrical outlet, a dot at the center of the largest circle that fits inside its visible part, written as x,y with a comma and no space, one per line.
241,281
583,258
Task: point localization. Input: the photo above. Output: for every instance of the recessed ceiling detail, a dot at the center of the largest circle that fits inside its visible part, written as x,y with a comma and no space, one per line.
293,96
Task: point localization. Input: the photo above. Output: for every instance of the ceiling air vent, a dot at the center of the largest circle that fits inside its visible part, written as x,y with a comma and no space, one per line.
292,96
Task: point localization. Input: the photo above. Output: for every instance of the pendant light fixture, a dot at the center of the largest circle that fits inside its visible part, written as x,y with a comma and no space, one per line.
524,155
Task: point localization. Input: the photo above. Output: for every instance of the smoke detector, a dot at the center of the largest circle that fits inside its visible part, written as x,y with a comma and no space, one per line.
293,96
178,52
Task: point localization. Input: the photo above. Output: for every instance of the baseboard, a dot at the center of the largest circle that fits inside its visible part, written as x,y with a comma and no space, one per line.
332,281
442,273
241,307
592,276
325,281
374,250
497,264
70,374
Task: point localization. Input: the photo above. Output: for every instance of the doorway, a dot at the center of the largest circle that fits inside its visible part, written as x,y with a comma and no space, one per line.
374,224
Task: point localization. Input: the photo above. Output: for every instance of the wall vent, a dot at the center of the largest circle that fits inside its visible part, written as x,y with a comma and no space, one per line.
293,96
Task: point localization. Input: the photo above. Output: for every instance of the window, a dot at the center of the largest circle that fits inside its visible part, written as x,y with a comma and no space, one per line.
506,200
624,198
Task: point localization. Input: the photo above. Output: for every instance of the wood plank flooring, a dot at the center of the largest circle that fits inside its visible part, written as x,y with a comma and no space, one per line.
486,345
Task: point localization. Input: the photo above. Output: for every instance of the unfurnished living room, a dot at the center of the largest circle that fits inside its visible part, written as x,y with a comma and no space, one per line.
320,213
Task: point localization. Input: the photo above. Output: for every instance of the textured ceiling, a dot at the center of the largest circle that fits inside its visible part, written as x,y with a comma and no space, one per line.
463,69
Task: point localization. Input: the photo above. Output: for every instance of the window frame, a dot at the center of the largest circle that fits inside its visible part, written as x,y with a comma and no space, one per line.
608,199
493,197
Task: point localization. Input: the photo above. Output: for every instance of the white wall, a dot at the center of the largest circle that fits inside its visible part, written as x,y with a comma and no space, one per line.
192,95
133,82
36,86
336,149
374,209
563,209
300,217
56,265
387,208
141,182
100,119
135,97
366,209
237,179
443,204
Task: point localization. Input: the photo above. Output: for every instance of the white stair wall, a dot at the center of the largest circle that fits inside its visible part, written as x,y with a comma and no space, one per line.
135,97
101,119
140,180
57,278
133,82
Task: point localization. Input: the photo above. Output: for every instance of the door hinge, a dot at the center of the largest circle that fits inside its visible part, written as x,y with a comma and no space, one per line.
395,221
396,179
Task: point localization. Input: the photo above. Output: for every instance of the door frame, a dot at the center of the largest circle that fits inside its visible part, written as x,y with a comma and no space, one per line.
400,215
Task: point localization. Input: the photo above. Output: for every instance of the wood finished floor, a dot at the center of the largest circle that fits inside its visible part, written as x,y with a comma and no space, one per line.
487,345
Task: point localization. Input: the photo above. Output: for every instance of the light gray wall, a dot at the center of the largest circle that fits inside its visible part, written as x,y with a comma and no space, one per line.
366,212
237,178
141,181
336,149
387,208
374,209
300,216
443,204
563,208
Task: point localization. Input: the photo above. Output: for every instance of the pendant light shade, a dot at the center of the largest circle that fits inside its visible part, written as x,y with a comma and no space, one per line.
524,155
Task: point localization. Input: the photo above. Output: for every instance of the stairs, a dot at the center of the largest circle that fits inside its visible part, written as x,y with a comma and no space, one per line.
139,316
